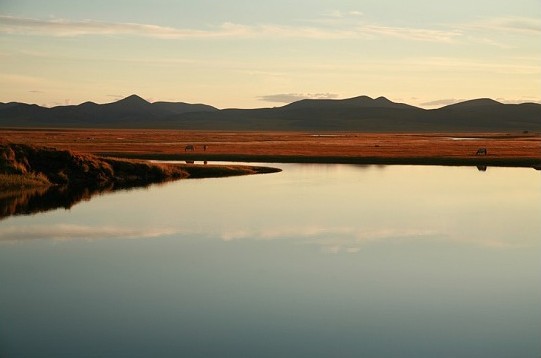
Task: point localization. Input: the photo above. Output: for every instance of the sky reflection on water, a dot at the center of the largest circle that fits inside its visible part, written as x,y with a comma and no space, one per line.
319,260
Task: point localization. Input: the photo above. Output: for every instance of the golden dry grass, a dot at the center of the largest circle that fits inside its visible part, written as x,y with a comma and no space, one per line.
427,148
10,181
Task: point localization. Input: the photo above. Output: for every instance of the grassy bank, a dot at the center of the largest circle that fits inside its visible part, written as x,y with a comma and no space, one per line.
23,166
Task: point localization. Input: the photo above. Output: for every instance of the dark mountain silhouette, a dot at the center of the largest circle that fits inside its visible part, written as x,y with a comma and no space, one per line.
132,111
353,114
180,107
360,102
474,103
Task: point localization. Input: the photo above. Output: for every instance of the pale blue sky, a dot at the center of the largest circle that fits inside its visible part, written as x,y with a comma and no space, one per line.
252,54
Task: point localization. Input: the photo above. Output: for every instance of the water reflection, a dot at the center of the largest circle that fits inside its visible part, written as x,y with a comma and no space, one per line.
70,232
482,168
340,208
39,200
316,261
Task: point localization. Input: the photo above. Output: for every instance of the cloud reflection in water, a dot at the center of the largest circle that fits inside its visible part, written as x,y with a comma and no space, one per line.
329,239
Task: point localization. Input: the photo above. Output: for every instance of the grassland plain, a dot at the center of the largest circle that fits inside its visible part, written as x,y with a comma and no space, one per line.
503,149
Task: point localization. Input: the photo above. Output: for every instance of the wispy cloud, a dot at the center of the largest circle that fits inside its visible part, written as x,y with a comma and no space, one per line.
506,24
62,27
441,102
409,33
512,66
25,79
292,97
518,101
343,14
115,96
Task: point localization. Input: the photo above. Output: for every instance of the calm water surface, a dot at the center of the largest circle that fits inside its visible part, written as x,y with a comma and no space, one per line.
316,261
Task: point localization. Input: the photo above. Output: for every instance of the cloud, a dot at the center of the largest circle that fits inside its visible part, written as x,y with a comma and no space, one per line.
333,25
356,13
63,28
516,66
343,14
27,80
412,33
442,102
293,97
522,25
519,101
514,24
116,96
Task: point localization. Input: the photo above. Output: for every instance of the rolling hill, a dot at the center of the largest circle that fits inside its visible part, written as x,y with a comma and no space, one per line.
353,114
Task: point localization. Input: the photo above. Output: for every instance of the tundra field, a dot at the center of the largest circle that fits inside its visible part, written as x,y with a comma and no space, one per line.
502,149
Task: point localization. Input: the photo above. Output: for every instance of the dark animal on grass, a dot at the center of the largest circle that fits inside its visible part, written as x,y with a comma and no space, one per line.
481,151
189,148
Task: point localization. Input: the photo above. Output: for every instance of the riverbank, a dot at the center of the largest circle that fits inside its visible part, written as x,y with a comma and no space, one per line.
23,166
361,160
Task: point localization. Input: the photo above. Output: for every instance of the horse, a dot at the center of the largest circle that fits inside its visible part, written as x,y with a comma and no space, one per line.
481,151
189,147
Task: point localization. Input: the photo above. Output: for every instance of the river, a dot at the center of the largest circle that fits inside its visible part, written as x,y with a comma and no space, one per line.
315,261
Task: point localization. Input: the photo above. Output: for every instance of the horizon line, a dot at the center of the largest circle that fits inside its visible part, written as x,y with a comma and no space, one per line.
296,97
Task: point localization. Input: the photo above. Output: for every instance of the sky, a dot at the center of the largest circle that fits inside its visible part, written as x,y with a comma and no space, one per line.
251,54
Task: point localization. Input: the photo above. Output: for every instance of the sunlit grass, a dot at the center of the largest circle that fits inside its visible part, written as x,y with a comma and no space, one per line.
20,181
289,146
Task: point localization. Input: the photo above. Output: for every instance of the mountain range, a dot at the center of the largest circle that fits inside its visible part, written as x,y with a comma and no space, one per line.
353,114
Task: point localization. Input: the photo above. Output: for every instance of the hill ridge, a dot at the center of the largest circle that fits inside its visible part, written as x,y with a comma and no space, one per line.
478,102
361,113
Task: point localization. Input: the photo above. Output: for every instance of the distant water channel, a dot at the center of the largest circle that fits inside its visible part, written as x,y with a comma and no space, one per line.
315,261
